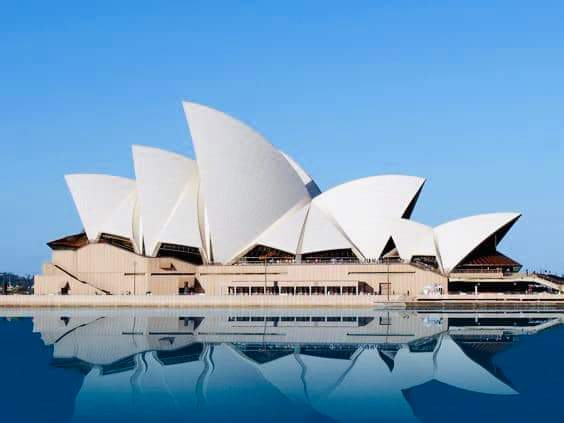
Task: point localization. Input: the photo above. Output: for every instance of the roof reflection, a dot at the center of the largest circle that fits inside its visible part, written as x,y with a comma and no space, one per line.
335,364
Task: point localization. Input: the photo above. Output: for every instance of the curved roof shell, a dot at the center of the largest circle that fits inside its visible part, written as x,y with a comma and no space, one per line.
458,238
321,233
244,192
365,209
285,234
167,185
307,180
411,238
248,184
105,203
382,196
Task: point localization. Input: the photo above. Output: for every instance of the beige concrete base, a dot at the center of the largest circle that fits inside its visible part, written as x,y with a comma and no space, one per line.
106,269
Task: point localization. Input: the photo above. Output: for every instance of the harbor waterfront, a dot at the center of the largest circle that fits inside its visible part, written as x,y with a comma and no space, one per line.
320,364
512,301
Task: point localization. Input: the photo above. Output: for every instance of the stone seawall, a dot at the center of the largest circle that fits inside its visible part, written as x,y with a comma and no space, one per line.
376,301
179,301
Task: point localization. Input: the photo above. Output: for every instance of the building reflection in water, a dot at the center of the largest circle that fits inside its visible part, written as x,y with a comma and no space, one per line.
304,365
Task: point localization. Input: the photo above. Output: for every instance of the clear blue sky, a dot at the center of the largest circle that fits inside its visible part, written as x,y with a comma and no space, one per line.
467,94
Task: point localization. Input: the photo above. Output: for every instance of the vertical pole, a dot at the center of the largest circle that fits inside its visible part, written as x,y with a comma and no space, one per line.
265,276
134,275
389,285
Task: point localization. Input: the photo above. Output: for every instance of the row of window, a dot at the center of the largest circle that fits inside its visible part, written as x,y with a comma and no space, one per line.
292,319
294,290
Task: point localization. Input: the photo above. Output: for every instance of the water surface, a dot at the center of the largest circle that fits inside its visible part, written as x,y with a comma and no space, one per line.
269,365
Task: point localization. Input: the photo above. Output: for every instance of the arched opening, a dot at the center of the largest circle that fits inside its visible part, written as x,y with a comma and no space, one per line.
426,261
117,241
181,252
330,256
390,252
262,253
485,257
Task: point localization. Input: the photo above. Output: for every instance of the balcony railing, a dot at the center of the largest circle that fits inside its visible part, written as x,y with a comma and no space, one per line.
317,260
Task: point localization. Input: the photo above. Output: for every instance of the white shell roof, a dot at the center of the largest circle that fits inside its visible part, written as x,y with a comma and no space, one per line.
366,209
242,191
411,238
167,185
361,214
458,238
307,180
105,203
248,184
321,233
285,234
382,196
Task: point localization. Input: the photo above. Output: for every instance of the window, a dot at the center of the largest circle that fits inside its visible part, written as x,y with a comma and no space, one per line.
287,290
302,290
242,290
317,290
349,290
257,290
333,290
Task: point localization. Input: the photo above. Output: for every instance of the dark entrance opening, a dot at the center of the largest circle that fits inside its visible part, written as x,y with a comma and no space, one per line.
262,254
330,256
385,288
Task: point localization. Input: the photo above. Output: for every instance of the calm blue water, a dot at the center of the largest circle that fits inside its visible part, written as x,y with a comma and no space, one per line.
240,365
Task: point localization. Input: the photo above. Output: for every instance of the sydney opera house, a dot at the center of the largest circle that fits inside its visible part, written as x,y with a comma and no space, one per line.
244,218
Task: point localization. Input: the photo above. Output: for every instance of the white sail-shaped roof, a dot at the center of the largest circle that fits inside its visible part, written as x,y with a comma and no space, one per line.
412,238
105,203
285,234
458,238
308,181
382,196
321,233
167,185
137,227
248,184
367,210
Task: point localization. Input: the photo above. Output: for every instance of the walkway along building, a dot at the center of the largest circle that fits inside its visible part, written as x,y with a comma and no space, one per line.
246,219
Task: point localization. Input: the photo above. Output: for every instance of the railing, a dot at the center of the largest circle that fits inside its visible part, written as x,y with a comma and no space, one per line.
550,278
425,266
479,270
317,260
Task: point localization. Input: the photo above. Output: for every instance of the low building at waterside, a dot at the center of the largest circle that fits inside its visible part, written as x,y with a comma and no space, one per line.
246,219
